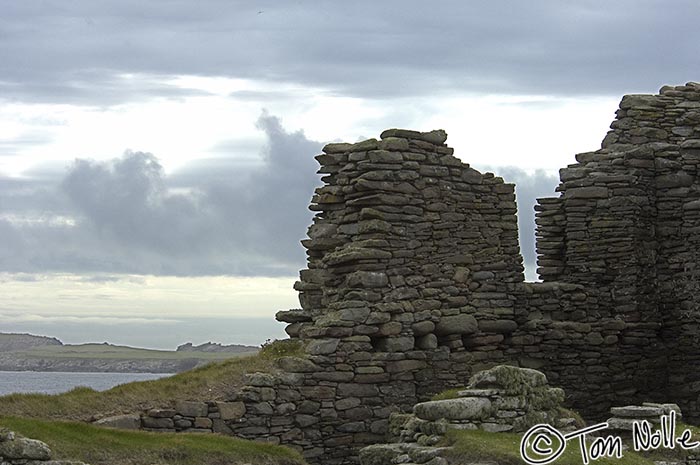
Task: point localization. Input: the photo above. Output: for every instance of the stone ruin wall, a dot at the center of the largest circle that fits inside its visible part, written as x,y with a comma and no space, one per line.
414,283
415,280
627,227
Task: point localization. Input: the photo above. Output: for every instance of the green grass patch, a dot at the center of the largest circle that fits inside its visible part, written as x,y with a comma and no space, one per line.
215,381
448,394
282,348
504,449
104,446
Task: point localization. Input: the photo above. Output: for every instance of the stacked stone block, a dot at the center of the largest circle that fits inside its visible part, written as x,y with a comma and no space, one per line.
414,282
413,265
626,227
501,399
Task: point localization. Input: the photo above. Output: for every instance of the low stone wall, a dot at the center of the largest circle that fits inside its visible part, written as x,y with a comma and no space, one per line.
185,416
16,450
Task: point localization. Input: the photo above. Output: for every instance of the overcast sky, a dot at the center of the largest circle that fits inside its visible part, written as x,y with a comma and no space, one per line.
156,158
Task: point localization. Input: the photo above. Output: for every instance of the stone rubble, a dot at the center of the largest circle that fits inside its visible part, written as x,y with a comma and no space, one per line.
16,450
502,399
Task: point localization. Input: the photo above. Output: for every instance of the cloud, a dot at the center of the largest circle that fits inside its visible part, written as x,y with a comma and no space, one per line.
112,52
11,146
127,216
528,188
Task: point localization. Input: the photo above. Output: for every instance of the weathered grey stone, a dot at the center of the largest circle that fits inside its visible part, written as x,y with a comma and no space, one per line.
193,408
26,449
396,344
292,316
390,329
365,145
322,346
667,181
369,279
203,423
356,390
231,410
482,275
381,454
592,192
385,156
462,408
512,380
352,254
127,421
161,413
621,424
666,408
306,420
427,342
456,324
405,365
496,427
159,423
337,148
437,137
497,326
394,143
423,327
635,411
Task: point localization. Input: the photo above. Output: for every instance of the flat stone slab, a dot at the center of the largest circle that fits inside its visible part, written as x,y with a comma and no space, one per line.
407,453
127,421
478,393
621,424
667,408
462,408
636,411
437,136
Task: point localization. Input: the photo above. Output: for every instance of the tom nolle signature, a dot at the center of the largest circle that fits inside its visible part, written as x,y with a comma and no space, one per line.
543,444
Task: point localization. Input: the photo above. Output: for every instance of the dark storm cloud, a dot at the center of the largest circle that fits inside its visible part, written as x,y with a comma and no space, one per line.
123,216
83,51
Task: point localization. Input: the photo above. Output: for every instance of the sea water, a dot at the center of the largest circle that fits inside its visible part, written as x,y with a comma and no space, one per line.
52,382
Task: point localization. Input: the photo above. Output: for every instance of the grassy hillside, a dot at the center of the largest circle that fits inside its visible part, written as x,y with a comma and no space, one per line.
16,341
504,449
42,417
104,446
215,381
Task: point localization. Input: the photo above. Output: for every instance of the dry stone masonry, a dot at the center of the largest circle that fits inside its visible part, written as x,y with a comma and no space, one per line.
184,416
17,450
415,282
414,278
502,399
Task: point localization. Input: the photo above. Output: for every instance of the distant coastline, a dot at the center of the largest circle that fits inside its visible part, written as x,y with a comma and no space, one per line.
27,352
56,382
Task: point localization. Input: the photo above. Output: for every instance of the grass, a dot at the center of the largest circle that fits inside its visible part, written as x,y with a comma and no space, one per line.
215,381
104,446
504,449
448,394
